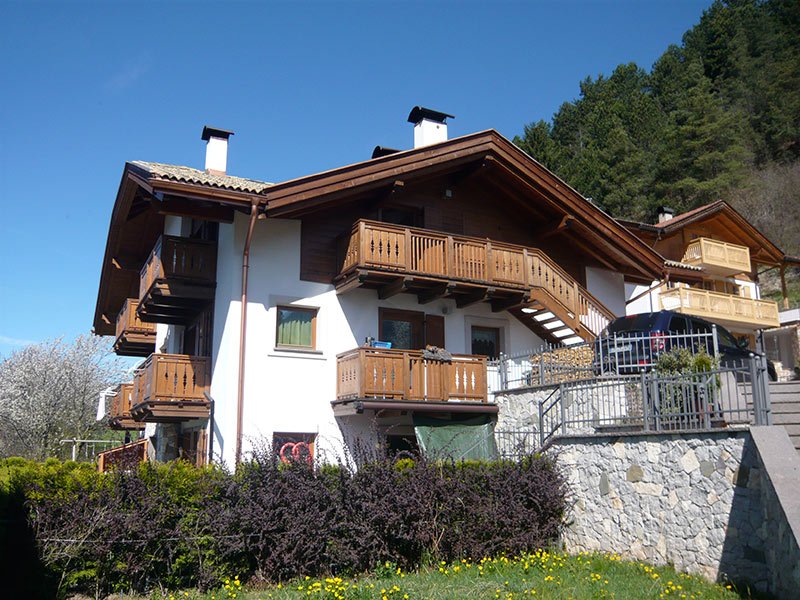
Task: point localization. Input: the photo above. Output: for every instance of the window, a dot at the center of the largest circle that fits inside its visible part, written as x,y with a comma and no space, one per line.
297,327
700,327
403,328
678,325
486,341
410,330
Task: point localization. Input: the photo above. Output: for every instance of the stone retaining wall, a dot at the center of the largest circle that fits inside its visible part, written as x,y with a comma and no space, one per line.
702,502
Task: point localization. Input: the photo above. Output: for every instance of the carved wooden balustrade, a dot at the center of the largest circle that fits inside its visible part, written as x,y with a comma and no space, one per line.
718,257
406,375
134,336
726,309
449,258
178,280
171,388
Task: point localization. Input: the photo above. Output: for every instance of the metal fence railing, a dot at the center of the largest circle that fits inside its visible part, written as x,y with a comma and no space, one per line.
735,394
609,355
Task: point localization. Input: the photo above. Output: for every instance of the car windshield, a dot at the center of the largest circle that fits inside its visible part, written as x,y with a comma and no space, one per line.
642,322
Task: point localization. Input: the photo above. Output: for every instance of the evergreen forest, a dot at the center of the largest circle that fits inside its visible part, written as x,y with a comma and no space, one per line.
717,117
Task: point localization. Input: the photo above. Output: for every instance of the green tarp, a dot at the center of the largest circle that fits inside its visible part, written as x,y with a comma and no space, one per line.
465,439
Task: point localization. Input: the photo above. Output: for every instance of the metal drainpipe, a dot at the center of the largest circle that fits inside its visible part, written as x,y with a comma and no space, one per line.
243,328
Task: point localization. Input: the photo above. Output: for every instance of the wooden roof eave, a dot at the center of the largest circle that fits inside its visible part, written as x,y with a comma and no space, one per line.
134,178
103,324
684,275
607,232
297,197
766,251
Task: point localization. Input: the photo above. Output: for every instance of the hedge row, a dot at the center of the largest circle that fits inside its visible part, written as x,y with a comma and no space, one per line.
176,526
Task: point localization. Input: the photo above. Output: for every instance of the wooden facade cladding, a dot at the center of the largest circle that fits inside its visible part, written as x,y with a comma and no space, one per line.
734,312
134,336
119,415
720,258
125,457
177,281
406,375
171,388
433,264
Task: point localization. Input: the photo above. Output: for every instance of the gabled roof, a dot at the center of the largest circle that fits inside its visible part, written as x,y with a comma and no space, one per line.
155,171
523,180
764,250
531,179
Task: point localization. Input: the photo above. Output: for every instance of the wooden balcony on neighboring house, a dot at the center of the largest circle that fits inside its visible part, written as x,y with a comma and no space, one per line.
390,379
733,312
719,258
171,388
127,456
395,259
119,415
178,280
134,336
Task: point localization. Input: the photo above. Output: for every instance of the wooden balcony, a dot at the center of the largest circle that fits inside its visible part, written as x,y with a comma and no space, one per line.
178,280
733,312
719,258
408,380
119,416
134,336
125,457
396,259
170,388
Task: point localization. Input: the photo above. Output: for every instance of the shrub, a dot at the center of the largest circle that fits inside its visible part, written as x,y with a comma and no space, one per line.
175,525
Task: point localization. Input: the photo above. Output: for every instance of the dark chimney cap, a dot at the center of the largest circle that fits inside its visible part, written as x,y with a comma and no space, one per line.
383,151
665,210
209,131
419,112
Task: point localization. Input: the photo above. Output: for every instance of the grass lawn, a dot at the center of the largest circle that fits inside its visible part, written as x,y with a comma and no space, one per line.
538,575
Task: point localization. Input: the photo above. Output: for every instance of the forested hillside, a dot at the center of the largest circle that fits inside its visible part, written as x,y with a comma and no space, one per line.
717,117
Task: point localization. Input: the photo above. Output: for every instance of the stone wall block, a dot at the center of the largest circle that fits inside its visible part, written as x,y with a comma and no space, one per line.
689,461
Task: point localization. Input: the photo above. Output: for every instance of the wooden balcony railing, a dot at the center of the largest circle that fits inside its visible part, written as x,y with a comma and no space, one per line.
171,387
726,309
134,336
407,250
127,456
718,257
178,279
405,375
119,415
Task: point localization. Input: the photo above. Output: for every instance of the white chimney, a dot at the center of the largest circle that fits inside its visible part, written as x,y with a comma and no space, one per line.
429,126
216,149
665,213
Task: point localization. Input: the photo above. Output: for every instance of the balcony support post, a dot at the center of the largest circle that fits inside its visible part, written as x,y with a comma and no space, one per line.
784,289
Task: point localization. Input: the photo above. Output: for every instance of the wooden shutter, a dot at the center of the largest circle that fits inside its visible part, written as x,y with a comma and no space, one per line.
434,330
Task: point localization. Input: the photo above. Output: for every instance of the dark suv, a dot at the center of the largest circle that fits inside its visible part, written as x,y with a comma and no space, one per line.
633,343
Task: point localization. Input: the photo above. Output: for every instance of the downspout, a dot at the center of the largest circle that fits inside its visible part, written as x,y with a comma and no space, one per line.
243,328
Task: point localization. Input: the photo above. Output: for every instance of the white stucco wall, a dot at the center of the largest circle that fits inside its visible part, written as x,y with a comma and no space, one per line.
292,391
644,302
608,287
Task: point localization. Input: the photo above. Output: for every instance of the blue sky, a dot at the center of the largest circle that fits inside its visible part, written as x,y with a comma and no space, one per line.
306,86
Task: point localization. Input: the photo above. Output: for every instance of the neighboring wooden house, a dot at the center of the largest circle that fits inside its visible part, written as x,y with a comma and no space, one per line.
728,253
252,302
